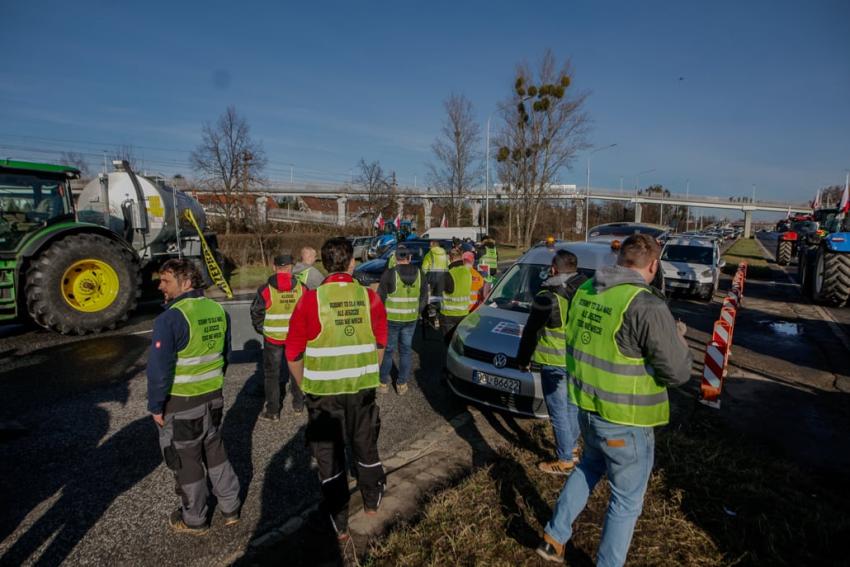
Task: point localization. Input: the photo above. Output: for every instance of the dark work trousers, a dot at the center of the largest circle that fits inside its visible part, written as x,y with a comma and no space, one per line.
447,325
275,373
333,422
192,448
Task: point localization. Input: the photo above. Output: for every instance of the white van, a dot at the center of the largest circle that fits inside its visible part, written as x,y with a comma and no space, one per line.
439,233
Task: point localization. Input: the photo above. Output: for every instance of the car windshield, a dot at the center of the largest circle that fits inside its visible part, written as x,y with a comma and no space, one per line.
688,254
625,230
517,288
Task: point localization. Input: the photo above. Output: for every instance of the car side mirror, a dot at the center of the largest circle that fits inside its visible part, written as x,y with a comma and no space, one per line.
721,263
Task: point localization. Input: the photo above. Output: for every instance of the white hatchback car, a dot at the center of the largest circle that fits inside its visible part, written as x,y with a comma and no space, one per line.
691,265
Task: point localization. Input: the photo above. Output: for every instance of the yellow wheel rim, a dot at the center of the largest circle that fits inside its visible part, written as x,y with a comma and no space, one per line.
89,285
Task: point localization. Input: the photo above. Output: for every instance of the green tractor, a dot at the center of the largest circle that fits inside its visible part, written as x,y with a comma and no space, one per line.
78,269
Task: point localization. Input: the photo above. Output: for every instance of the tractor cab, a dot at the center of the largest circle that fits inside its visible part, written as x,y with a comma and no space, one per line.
32,195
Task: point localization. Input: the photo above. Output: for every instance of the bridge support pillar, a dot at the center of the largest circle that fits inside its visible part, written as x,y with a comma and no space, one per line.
400,202
426,206
476,213
262,210
341,210
748,224
579,216
638,211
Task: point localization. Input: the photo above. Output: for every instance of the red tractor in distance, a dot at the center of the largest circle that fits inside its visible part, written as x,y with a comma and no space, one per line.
799,226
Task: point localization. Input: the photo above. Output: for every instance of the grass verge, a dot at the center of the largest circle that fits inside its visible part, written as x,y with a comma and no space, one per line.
250,276
747,249
710,501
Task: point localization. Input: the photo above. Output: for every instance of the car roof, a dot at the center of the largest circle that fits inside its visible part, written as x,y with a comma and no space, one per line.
690,241
590,255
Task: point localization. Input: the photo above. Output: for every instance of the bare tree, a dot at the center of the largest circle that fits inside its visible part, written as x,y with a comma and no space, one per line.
125,152
378,186
76,159
545,126
229,161
458,164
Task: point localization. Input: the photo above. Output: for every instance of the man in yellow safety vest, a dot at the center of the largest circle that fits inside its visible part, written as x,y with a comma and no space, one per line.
186,367
271,312
337,336
623,349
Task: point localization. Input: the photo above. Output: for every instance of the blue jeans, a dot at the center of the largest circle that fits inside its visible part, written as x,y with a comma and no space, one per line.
400,336
626,454
563,414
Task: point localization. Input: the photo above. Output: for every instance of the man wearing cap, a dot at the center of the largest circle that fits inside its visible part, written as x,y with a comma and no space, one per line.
457,288
271,312
404,294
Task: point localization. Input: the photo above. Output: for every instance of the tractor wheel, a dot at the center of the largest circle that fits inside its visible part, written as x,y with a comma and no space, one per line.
831,278
783,252
83,283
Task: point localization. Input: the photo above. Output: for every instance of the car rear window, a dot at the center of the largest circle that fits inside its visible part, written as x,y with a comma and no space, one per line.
625,231
688,254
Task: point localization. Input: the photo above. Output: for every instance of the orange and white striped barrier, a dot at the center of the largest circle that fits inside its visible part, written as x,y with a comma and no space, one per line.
718,350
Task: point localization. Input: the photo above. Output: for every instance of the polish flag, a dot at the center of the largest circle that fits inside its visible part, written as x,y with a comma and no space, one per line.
379,222
816,204
397,222
445,222
844,207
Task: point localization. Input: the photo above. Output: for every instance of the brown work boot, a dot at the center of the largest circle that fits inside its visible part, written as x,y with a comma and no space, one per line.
175,520
550,550
562,468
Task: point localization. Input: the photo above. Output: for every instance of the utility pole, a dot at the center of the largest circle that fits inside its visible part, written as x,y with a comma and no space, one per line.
687,207
587,190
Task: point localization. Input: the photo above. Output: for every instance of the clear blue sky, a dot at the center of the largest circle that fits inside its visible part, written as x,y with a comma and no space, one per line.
765,98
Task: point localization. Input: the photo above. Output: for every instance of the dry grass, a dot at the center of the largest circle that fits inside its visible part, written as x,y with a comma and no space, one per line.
709,502
747,249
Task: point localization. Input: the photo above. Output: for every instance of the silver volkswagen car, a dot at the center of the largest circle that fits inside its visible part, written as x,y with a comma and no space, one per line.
481,359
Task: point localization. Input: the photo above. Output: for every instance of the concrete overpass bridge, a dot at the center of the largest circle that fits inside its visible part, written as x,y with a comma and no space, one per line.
477,199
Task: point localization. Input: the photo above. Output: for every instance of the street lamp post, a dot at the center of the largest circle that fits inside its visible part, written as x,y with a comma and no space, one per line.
487,178
587,190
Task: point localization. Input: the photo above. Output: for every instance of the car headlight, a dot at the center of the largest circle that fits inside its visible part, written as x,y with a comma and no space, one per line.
457,344
707,273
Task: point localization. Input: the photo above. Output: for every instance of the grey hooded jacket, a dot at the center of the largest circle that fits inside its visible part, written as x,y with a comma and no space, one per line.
649,329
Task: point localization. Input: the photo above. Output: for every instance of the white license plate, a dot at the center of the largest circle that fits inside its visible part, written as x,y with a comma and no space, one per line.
678,284
509,385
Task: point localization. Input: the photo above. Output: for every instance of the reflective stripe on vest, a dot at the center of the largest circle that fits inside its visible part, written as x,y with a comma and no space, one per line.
475,287
200,363
456,304
343,358
619,388
304,274
552,344
276,323
402,305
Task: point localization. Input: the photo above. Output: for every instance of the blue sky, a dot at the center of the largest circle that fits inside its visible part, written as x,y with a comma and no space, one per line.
765,98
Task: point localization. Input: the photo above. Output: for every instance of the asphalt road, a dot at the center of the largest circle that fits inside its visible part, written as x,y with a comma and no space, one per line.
81,477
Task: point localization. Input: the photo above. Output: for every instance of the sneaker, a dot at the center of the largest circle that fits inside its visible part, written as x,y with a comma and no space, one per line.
270,416
550,550
372,510
402,389
562,468
178,525
383,388
231,518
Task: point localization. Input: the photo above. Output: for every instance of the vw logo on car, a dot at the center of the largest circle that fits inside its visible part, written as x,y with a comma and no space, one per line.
500,360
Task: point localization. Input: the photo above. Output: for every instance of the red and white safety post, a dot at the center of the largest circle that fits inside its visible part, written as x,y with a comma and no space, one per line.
715,366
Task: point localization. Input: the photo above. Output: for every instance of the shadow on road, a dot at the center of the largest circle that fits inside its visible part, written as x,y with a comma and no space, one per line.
67,452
